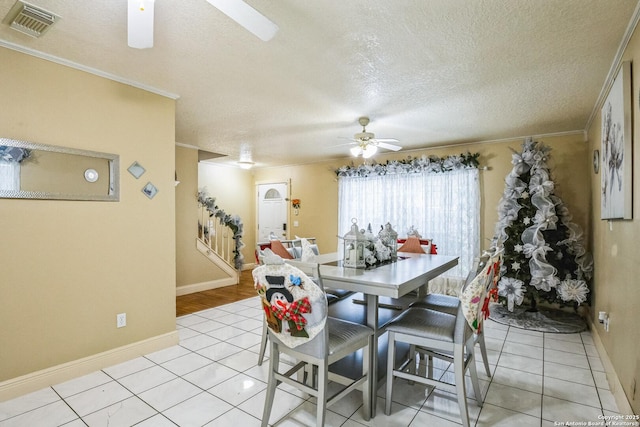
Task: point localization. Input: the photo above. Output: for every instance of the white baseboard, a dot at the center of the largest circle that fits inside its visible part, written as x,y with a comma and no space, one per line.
205,286
249,266
212,284
58,374
612,378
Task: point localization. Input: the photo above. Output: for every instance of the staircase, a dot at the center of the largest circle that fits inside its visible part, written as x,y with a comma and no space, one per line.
215,241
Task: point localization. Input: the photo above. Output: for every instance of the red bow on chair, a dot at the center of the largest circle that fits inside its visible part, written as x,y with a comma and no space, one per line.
293,312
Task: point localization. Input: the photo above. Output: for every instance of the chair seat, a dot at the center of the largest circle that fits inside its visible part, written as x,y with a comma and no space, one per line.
332,298
425,323
340,293
444,303
342,334
335,295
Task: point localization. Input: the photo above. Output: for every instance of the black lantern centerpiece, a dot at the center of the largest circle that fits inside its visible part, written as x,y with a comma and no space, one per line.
354,244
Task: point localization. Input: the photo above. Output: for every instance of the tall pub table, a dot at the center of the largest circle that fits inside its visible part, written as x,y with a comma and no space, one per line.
409,273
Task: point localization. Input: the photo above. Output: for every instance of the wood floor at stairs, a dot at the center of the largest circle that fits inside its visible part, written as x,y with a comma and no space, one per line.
191,303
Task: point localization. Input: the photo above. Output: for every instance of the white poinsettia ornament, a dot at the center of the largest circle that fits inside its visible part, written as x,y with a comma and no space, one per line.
513,290
573,290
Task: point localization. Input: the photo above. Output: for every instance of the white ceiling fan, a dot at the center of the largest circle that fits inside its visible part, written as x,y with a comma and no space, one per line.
366,143
140,20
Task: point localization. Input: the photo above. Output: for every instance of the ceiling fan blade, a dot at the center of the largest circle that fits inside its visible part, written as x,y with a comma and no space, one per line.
140,24
252,20
386,146
387,140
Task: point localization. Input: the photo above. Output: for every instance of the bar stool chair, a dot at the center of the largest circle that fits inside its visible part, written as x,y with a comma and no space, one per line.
332,295
298,326
449,304
444,336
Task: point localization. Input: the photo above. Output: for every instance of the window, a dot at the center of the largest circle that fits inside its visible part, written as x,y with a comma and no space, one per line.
444,207
271,194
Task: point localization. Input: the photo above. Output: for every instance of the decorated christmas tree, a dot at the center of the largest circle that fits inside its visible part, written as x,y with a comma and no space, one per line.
544,257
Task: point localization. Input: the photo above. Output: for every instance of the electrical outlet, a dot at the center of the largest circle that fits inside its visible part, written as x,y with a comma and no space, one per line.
121,320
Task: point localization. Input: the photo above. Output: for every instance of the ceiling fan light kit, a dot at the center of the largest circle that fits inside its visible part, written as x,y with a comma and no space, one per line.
140,24
367,144
366,151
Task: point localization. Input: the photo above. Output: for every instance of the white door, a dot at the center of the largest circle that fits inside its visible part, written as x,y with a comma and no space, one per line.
272,211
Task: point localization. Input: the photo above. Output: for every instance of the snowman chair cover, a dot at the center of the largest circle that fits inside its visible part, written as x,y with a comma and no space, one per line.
295,306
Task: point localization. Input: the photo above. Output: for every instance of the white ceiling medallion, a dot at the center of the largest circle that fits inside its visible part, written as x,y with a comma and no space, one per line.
140,24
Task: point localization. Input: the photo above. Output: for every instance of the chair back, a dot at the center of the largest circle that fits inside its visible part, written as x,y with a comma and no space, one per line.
305,249
474,298
311,269
295,307
495,263
478,264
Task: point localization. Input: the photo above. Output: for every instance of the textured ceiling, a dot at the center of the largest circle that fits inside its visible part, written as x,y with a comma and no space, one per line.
428,73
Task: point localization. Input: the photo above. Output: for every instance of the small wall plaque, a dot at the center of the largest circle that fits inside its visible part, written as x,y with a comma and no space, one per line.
136,170
150,190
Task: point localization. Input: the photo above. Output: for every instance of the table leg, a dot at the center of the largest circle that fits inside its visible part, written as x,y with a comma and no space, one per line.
372,322
423,290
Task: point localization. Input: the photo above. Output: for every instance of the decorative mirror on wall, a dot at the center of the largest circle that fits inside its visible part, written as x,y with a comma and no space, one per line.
150,190
30,170
136,170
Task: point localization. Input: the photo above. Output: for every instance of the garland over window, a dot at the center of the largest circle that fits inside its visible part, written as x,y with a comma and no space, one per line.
233,222
413,165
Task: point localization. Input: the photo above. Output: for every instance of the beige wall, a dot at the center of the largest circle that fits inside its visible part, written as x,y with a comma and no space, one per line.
68,267
616,284
192,267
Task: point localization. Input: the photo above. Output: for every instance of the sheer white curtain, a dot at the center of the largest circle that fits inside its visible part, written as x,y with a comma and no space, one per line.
9,175
444,207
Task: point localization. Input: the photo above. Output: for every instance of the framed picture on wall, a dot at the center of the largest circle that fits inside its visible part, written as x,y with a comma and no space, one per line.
615,152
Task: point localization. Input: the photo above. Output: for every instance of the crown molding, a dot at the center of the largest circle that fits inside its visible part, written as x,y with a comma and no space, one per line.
615,66
90,70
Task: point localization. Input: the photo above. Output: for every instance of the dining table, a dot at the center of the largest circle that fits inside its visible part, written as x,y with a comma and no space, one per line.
396,279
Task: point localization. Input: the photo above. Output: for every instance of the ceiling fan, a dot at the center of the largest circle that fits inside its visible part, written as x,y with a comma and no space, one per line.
140,20
367,144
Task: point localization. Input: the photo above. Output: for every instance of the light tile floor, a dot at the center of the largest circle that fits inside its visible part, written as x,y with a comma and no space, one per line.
211,379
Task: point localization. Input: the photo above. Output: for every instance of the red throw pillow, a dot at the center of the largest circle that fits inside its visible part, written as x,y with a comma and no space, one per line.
412,245
278,248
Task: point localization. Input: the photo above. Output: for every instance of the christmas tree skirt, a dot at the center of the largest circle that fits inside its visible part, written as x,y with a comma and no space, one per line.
543,320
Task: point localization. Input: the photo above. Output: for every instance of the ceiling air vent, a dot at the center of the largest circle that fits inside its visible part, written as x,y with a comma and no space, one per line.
30,19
